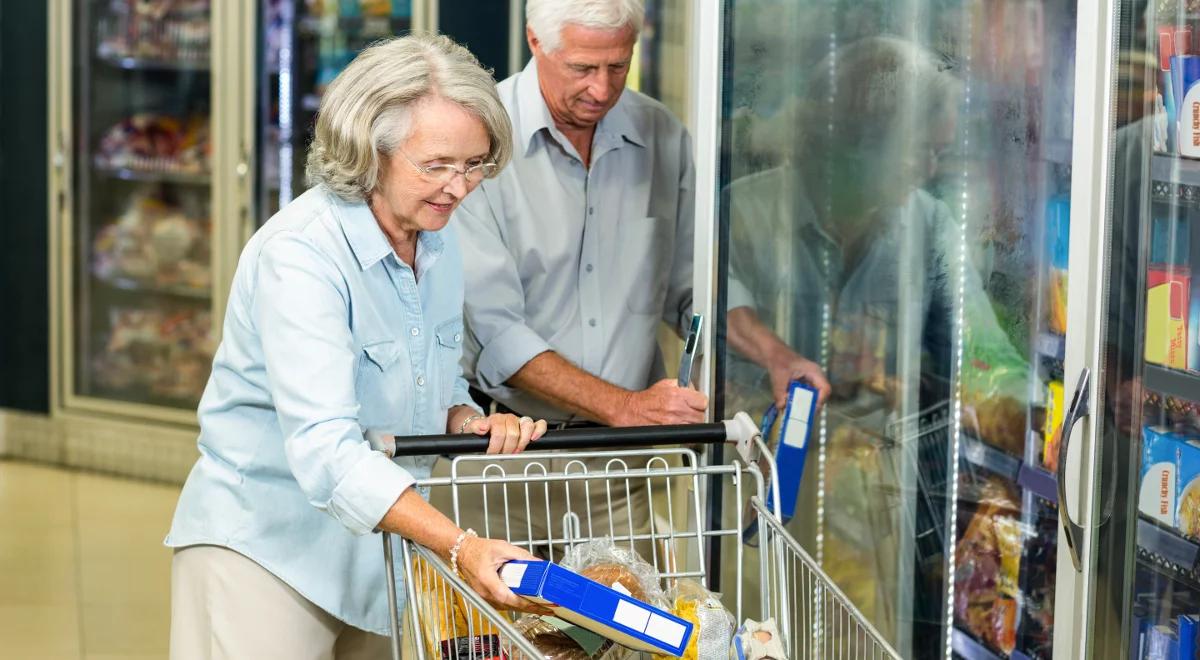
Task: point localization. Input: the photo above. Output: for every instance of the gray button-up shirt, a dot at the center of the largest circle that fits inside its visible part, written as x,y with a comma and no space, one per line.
577,260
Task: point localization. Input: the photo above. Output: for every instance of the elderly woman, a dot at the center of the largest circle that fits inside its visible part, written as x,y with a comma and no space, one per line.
344,322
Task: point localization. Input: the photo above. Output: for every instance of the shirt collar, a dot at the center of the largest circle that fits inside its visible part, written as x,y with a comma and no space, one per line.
370,245
534,115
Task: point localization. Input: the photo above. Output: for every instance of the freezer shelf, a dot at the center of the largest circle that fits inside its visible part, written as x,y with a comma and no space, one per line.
1168,552
1171,382
1029,477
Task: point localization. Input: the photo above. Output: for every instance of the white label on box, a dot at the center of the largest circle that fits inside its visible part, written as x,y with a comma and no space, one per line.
801,406
665,630
796,434
512,574
620,588
631,616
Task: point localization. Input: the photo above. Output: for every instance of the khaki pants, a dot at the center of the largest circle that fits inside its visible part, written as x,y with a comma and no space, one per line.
224,605
541,515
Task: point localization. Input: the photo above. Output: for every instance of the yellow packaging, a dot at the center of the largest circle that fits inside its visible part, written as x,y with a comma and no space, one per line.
1166,317
1053,425
443,611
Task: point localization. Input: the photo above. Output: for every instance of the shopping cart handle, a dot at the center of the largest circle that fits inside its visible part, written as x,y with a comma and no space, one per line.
580,439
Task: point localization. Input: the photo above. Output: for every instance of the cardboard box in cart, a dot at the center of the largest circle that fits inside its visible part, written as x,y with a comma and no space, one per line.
598,608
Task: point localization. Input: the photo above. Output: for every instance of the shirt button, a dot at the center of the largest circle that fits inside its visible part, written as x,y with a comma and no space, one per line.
592,322
589,268
591,210
457,337
420,381
415,331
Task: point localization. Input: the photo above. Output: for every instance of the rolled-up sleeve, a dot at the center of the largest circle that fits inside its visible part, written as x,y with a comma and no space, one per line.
503,341
301,307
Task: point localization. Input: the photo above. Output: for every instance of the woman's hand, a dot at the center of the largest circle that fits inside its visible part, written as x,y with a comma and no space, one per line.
510,434
479,562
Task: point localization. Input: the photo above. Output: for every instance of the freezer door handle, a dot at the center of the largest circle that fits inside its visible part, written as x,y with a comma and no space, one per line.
1077,411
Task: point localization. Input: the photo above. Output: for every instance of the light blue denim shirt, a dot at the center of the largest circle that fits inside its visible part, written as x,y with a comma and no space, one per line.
327,334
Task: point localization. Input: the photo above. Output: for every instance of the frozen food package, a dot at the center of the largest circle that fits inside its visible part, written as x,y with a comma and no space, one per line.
713,623
987,571
995,380
1187,487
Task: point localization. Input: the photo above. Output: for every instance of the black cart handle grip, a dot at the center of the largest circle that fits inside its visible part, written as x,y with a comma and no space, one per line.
582,439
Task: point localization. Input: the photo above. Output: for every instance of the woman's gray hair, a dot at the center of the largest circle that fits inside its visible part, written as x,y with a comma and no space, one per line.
365,113
547,18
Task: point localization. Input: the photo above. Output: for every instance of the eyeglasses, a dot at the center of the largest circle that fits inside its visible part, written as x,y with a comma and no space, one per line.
444,174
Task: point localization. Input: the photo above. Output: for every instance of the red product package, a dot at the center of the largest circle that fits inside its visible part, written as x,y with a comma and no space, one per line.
479,647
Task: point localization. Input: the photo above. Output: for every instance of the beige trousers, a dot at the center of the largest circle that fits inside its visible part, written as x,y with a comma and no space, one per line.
224,605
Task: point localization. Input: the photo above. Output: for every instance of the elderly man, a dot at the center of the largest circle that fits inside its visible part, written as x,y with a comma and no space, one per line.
596,215
577,252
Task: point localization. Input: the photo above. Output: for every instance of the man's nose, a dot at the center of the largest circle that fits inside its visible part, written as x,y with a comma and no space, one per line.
600,88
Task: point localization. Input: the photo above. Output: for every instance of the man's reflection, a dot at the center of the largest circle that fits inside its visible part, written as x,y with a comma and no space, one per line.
843,253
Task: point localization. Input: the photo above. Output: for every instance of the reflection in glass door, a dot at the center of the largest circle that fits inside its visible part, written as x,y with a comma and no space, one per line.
895,207
141,328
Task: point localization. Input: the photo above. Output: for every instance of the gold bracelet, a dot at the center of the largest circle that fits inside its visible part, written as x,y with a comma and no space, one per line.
462,428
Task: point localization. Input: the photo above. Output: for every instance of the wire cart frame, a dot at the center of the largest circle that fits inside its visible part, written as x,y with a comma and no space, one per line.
546,502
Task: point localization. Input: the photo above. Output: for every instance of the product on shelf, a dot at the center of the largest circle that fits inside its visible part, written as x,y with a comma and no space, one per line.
154,244
1187,488
150,142
166,352
987,570
1058,235
1156,494
1052,431
162,30
1167,293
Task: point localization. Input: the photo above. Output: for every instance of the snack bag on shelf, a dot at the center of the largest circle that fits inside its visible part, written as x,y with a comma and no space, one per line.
994,380
987,564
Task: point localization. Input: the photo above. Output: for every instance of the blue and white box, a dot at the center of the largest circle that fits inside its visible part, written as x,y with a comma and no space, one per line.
794,434
598,608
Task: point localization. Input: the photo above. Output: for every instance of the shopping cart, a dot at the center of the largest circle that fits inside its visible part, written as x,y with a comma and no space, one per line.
449,620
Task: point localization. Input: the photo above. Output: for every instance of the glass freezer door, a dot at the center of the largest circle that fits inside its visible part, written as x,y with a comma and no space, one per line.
139,329
894,205
1144,431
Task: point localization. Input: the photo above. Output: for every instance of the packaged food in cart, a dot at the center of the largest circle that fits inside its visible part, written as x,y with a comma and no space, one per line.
642,604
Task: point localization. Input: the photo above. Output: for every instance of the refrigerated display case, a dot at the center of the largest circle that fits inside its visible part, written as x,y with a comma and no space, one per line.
137,324
1140,554
891,190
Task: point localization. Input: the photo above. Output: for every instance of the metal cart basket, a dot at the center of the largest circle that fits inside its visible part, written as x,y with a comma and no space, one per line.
547,502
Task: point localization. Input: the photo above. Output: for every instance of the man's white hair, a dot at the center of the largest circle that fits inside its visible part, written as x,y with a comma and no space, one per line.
547,18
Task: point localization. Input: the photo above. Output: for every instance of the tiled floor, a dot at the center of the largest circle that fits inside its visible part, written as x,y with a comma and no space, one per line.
83,572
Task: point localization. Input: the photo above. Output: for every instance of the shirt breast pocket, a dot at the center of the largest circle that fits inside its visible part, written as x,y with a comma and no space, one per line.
449,336
380,383
647,256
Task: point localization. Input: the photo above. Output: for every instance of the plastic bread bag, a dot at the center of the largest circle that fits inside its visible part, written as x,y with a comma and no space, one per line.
713,623
618,567
554,644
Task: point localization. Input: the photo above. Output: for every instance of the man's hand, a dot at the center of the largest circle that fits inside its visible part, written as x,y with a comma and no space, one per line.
663,403
784,366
